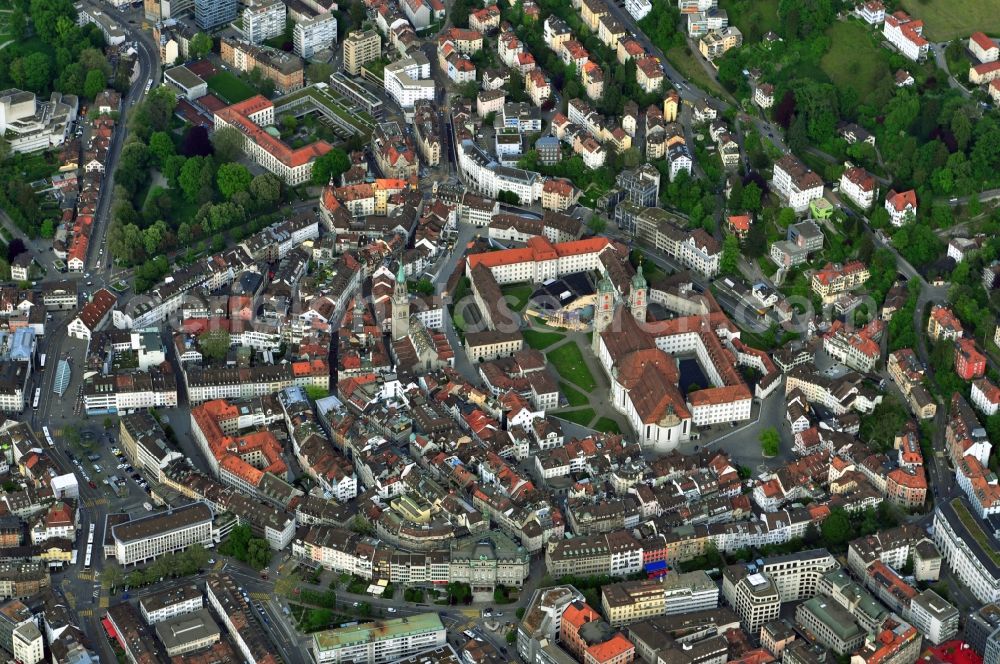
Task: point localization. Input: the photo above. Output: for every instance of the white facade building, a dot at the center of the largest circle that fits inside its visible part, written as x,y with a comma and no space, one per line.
314,34
796,183
970,564
906,34
263,19
147,538
409,80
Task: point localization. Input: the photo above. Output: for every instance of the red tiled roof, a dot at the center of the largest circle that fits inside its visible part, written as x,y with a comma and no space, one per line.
238,116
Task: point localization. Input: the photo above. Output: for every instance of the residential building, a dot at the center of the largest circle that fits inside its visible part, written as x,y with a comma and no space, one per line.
871,12
94,315
984,48
984,73
796,183
360,48
835,278
860,186
763,95
314,34
237,616
380,641
943,325
985,396
702,22
718,42
906,34
969,362
263,19
285,70
408,80
149,537
901,206
631,601
19,633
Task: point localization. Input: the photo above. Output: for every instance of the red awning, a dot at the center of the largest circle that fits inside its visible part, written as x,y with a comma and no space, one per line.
109,628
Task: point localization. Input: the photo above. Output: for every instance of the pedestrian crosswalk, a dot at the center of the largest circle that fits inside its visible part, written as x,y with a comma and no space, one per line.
85,576
96,502
104,602
85,612
260,596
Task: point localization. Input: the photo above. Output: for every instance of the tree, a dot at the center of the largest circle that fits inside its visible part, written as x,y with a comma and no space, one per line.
112,576
199,46
32,72
330,166
228,144
836,528
109,422
729,263
460,13
214,344
48,229
197,144
232,178
15,249
17,24
770,442
161,147
266,190
751,197
133,167
94,84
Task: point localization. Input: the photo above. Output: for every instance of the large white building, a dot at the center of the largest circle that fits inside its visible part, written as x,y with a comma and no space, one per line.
149,537
936,618
408,80
380,641
249,117
638,8
860,186
169,604
486,176
29,125
796,183
314,34
971,561
906,34
263,19
901,206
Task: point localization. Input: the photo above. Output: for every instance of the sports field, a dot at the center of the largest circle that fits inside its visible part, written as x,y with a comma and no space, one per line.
954,19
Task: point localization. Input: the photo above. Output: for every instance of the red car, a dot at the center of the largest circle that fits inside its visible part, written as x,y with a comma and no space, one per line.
92,485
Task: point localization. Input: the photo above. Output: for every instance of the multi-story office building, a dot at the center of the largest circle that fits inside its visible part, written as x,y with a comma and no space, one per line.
753,596
211,14
187,633
149,537
360,48
630,601
981,627
171,603
314,34
380,641
263,19
830,625
936,619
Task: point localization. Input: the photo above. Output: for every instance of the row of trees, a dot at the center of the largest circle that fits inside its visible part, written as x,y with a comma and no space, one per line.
184,563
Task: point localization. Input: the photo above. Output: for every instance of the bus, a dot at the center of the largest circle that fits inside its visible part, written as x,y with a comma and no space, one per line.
41,362
38,395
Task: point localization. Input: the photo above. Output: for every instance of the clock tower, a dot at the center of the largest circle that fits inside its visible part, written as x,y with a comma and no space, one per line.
400,306
604,310
638,296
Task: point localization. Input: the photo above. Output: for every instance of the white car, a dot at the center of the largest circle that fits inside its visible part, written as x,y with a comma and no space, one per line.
391,610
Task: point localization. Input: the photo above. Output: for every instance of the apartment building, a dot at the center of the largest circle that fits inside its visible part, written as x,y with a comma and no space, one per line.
984,48
144,443
425,132
360,48
836,278
169,604
969,548
285,70
985,396
19,633
249,117
408,80
796,183
149,537
380,641
94,315
314,34
943,325
616,554
906,34
717,42
263,19
126,392
860,186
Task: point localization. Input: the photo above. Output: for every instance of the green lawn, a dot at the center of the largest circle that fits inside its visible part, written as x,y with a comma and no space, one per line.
853,61
607,425
519,294
229,87
574,396
582,417
568,361
949,19
752,17
541,340
687,64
